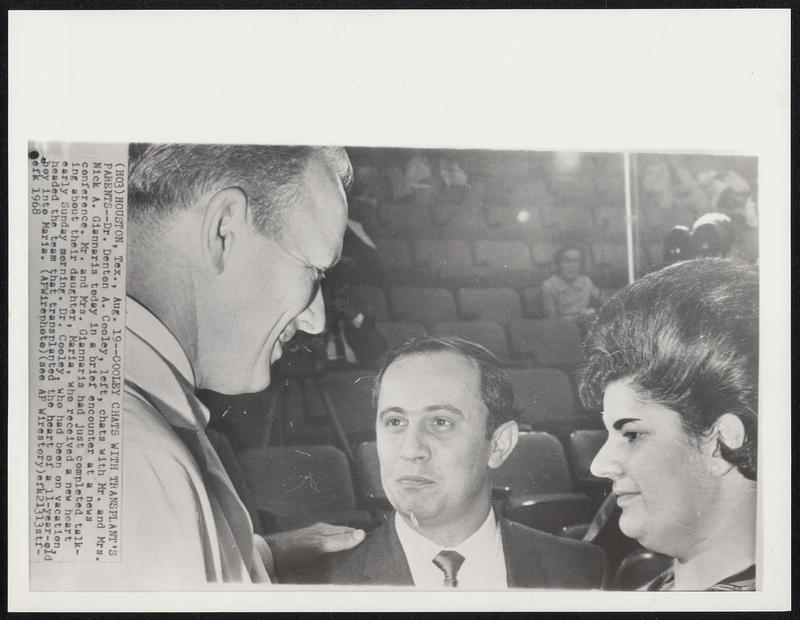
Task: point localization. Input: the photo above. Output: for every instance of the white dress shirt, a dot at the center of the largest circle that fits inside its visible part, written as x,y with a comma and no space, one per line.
484,564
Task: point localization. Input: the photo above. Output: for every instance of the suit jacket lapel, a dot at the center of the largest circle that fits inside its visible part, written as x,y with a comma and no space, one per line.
386,562
523,562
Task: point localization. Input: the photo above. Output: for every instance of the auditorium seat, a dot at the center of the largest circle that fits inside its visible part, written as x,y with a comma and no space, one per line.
370,299
406,218
550,342
520,221
533,302
582,446
369,487
638,568
486,333
569,219
298,486
540,491
350,393
505,255
545,400
422,304
397,262
489,304
394,253
542,252
615,255
397,332
437,254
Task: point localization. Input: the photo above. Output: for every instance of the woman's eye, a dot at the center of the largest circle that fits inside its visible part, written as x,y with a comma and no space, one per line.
393,422
631,436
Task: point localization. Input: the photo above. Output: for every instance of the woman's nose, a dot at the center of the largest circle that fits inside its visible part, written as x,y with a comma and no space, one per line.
606,463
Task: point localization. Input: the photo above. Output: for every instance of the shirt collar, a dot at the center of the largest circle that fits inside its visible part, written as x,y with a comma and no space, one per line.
149,328
156,365
422,550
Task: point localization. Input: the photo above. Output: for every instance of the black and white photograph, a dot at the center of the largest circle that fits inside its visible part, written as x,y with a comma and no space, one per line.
467,352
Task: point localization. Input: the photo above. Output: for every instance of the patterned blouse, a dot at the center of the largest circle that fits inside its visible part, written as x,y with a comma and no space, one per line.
743,581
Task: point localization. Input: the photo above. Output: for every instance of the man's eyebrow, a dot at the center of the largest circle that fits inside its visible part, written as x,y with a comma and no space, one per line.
623,421
449,408
389,410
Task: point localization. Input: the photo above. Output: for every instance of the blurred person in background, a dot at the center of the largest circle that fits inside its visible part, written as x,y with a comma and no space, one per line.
569,292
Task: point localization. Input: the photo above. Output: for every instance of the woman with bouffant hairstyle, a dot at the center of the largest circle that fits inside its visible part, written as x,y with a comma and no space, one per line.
673,362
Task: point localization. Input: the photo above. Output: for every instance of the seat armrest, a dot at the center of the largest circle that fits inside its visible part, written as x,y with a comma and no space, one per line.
550,512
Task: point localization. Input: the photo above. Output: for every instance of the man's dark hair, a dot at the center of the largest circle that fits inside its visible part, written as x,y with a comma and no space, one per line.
164,178
496,390
686,337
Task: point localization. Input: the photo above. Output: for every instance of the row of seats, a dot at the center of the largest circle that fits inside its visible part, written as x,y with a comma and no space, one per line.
472,220
544,398
439,254
540,342
294,486
429,305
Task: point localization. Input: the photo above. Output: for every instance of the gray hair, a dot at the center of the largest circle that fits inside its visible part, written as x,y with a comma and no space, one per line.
164,178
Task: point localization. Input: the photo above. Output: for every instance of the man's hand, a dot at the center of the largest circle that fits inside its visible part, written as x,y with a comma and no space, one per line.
297,548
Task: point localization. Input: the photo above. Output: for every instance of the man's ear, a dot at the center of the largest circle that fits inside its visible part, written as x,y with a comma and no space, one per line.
728,430
225,217
504,439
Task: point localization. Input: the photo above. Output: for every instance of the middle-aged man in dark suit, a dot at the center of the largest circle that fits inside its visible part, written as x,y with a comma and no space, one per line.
444,423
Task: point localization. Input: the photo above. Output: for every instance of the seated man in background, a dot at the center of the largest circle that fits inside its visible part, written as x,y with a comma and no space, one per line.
569,292
444,422
352,338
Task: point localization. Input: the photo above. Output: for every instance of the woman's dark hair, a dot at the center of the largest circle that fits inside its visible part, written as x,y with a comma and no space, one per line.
496,390
685,337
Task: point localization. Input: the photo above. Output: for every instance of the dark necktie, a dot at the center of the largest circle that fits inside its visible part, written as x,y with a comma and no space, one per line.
449,562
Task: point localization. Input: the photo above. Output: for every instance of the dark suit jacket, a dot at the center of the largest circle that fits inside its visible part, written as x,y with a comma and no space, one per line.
533,560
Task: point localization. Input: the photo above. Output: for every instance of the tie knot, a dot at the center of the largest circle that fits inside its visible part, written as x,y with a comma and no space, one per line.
449,561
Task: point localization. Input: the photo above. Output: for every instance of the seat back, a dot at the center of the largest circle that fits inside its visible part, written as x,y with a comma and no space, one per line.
489,304
582,447
503,254
533,302
350,393
370,299
368,471
409,217
536,466
422,304
298,480
394,253
397,332
551,342
543,252
486,333
436,254
542,395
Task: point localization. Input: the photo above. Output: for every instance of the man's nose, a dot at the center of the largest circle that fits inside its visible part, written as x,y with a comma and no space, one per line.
415,445
606,463
312,319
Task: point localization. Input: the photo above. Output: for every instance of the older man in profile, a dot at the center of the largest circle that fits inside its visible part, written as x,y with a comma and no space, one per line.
444,422
226,248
